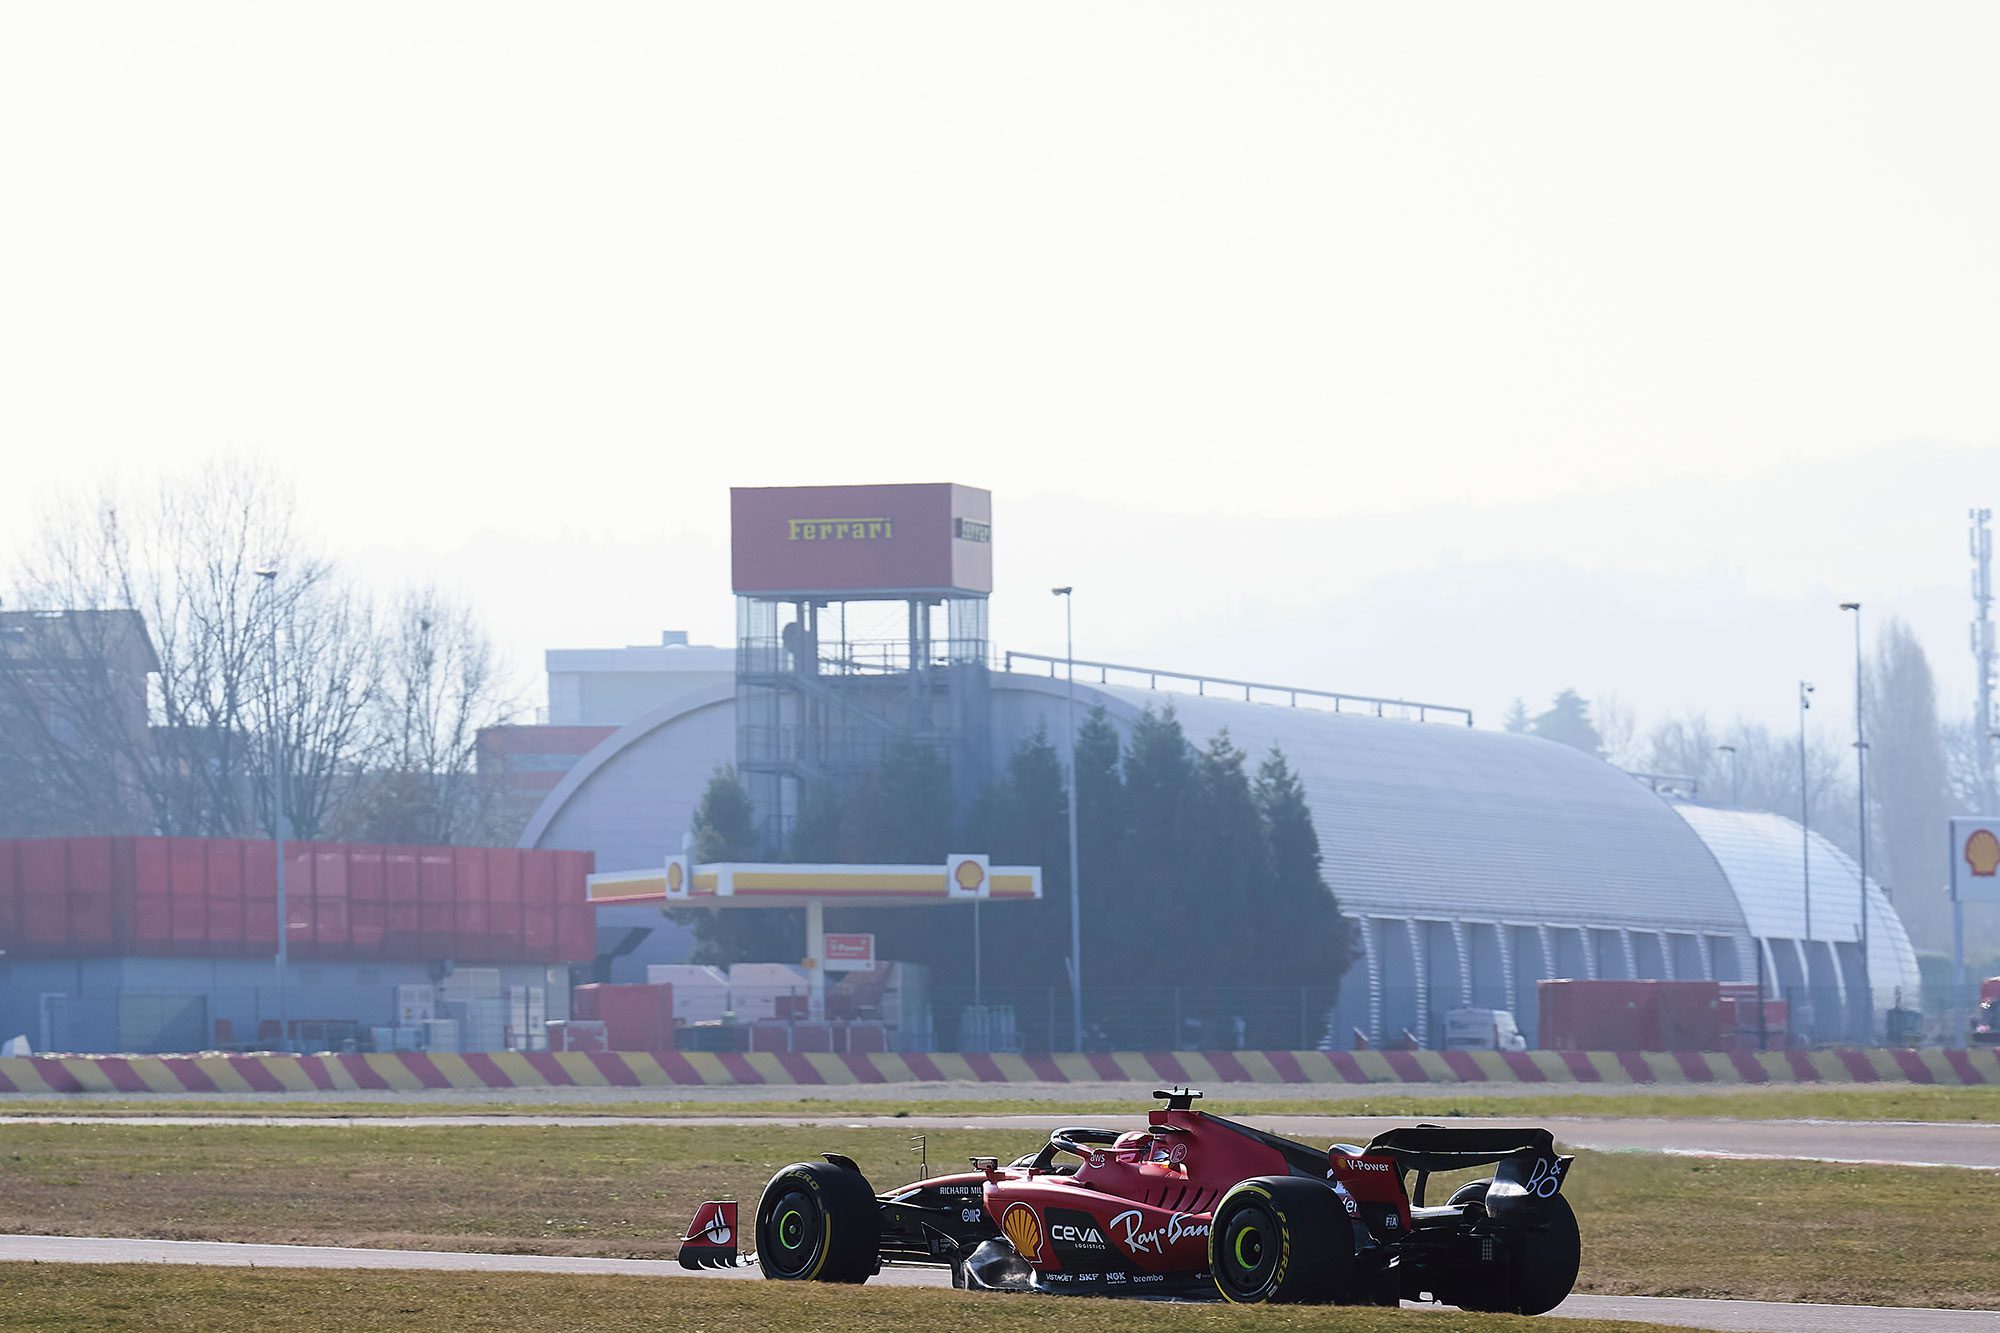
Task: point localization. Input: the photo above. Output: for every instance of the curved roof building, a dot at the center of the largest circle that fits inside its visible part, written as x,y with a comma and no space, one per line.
1477,862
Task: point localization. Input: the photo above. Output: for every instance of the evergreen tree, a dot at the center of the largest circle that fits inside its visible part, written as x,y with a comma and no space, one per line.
725,829
1322,945
1163,867
1229,901
1518,720
1568,722
1910,784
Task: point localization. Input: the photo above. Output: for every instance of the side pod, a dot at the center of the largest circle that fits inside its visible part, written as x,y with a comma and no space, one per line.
711,1237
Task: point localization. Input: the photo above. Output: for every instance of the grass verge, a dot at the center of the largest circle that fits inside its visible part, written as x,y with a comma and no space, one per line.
61,1296
1652,1225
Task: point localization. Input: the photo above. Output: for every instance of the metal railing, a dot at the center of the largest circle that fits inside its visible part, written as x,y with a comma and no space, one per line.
1255,691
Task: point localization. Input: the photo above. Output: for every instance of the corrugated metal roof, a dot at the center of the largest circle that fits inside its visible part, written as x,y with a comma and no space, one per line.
1424,819
1763,857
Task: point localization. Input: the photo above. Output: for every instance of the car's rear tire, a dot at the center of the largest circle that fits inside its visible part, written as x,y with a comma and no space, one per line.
818,1222
1544,1262
1281,1239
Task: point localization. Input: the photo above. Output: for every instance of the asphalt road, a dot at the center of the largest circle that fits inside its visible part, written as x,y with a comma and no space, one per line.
1884,1143
1738,1316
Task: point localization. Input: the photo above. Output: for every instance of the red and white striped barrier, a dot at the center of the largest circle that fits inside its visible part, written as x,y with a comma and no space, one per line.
412,1071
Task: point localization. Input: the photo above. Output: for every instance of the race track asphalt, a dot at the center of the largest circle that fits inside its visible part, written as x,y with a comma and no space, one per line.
1735,1316
1883,1143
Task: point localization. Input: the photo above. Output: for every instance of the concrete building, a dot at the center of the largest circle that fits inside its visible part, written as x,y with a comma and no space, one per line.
608,687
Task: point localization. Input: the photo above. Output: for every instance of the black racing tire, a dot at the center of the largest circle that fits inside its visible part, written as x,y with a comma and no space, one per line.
1544,1268
818,1222
1281,1239
1472,1193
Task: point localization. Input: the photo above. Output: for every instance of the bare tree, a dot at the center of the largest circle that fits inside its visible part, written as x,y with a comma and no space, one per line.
1766,771
440,685
142,665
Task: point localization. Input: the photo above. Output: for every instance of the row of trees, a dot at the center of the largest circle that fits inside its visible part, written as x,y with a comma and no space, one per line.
138,690
1193,865
1921,771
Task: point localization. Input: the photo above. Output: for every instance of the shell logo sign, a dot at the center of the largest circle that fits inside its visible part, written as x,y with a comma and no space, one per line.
967,876
1975,863
1982,852
678,876
1023,1230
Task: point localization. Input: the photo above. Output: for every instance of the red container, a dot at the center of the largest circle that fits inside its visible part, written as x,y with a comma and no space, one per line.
218,898
1631,1015
635,1017
10,897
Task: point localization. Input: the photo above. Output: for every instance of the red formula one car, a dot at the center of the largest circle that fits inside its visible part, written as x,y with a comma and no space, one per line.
1192,1206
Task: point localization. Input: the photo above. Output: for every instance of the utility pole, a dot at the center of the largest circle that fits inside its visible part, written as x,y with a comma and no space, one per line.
1075,888
1866,1007
1982,652
1805,822
1735,784
270,577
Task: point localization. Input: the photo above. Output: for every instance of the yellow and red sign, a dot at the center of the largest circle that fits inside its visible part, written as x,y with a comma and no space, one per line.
1975,859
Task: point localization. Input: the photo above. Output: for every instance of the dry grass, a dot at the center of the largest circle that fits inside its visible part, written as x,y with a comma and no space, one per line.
1652,1225
195,1300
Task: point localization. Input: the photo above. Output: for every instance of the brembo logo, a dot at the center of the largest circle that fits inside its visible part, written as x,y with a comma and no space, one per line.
1178,1228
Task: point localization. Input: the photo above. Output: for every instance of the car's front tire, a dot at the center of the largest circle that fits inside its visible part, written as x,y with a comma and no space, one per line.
1280,1239
818,1222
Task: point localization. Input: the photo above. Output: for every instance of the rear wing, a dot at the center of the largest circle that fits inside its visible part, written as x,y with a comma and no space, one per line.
1527,1169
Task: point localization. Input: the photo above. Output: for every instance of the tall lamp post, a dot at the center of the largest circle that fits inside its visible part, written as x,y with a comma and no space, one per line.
270,577
1075,889
1735,786
1805,842
1861,803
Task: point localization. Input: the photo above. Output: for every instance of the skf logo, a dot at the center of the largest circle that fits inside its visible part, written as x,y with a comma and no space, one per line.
1982,853
1023,1230
714,1224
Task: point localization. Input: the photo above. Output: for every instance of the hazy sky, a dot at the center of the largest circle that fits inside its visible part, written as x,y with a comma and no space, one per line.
1452,350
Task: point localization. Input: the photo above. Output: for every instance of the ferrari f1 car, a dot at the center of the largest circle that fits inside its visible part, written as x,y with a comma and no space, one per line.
1192,1206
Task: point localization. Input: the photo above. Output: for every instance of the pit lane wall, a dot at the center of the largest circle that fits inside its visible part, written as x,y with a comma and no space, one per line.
411,1071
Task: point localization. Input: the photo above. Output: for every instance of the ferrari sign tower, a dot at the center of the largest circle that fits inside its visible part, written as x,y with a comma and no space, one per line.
860,624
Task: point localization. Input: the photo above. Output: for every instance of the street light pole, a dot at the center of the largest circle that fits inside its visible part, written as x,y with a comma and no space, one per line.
270,577
1805,829
1861,802
1735,783
1075,889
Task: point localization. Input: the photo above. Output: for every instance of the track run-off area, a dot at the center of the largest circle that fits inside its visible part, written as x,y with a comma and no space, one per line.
1972,1146
1952,1146
1736,1316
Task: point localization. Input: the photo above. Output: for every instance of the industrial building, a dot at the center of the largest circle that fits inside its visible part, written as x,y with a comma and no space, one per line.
1476,862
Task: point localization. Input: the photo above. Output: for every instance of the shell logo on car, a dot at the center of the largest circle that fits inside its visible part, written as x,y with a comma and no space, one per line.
1023,1230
